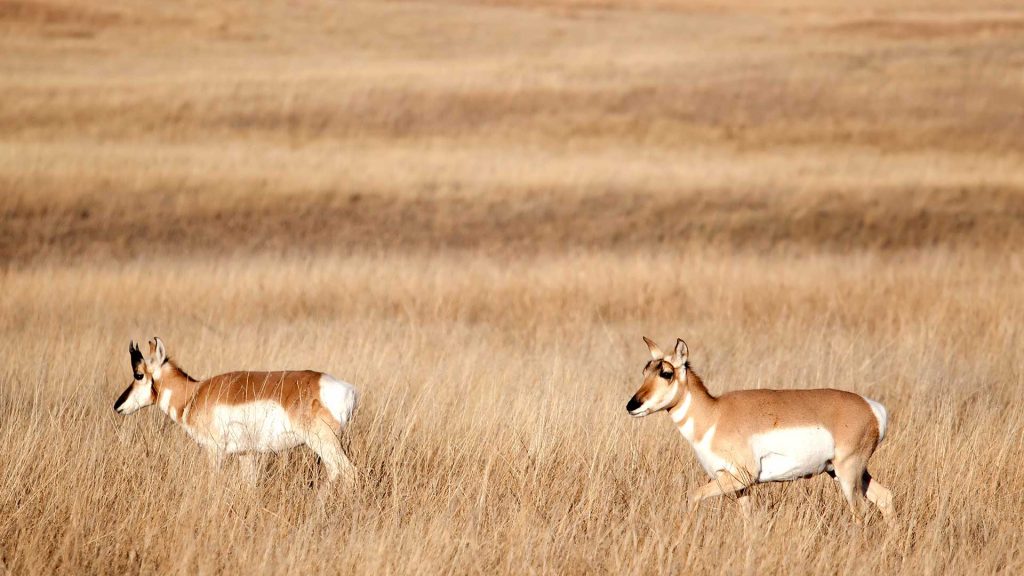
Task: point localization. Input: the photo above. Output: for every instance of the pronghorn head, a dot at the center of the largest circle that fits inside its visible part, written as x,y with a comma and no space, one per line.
146,371
664,378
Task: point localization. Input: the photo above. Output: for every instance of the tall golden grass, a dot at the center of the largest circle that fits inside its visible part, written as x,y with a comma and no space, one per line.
473,211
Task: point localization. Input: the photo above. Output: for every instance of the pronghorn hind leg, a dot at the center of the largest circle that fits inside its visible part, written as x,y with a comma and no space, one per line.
251,465
880,496
215,457
323,440
850,474
746,505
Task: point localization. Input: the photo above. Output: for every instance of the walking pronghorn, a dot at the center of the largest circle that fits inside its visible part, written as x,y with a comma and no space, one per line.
246,412
747,437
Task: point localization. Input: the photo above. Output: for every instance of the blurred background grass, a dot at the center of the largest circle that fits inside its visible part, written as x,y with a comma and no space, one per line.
473,210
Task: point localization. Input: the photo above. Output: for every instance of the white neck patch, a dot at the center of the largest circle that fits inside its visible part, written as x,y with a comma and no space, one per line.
165,400
687,429
679,412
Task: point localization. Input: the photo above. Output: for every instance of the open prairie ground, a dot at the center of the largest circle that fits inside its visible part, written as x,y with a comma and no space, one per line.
473,211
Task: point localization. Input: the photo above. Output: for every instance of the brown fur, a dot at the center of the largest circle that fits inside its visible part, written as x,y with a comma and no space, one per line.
738,416
297,391
192,403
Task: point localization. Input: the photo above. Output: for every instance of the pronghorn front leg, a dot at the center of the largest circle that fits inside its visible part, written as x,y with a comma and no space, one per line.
724,483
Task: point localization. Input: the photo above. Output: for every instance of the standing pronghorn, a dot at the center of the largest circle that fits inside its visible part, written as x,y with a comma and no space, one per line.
750,436
246,412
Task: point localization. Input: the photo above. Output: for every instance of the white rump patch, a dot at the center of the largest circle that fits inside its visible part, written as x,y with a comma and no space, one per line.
791,453
340,398
880,414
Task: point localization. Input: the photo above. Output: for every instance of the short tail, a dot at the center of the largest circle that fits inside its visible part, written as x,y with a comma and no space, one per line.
339,397
881,415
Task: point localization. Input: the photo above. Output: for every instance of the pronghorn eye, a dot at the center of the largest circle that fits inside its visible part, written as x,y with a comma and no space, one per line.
666,375
138,376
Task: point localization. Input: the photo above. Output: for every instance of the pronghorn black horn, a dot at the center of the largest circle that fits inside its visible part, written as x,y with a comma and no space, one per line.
136,357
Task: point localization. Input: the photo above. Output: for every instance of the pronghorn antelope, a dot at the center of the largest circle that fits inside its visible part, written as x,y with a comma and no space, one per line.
246,412
751,436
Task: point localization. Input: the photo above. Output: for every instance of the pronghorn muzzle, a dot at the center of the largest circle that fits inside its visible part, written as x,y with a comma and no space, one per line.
633,407
119,403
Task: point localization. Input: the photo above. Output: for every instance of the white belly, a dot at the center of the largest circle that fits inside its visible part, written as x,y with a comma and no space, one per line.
254,427
791,453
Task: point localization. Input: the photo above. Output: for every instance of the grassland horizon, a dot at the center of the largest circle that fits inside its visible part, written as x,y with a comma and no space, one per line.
473,211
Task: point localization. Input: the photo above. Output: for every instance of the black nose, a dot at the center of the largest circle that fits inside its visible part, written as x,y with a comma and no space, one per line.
122,398
633,404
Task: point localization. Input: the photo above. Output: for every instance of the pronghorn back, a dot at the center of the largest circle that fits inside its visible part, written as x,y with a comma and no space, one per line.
305,394
850,417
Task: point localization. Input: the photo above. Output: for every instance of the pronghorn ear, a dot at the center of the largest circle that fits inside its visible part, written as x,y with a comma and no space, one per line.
656,352
680,355
159,353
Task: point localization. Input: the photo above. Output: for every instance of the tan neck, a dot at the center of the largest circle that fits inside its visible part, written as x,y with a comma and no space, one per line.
695,385
692,399
174,391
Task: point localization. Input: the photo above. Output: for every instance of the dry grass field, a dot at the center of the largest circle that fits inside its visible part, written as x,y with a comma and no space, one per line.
473,210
